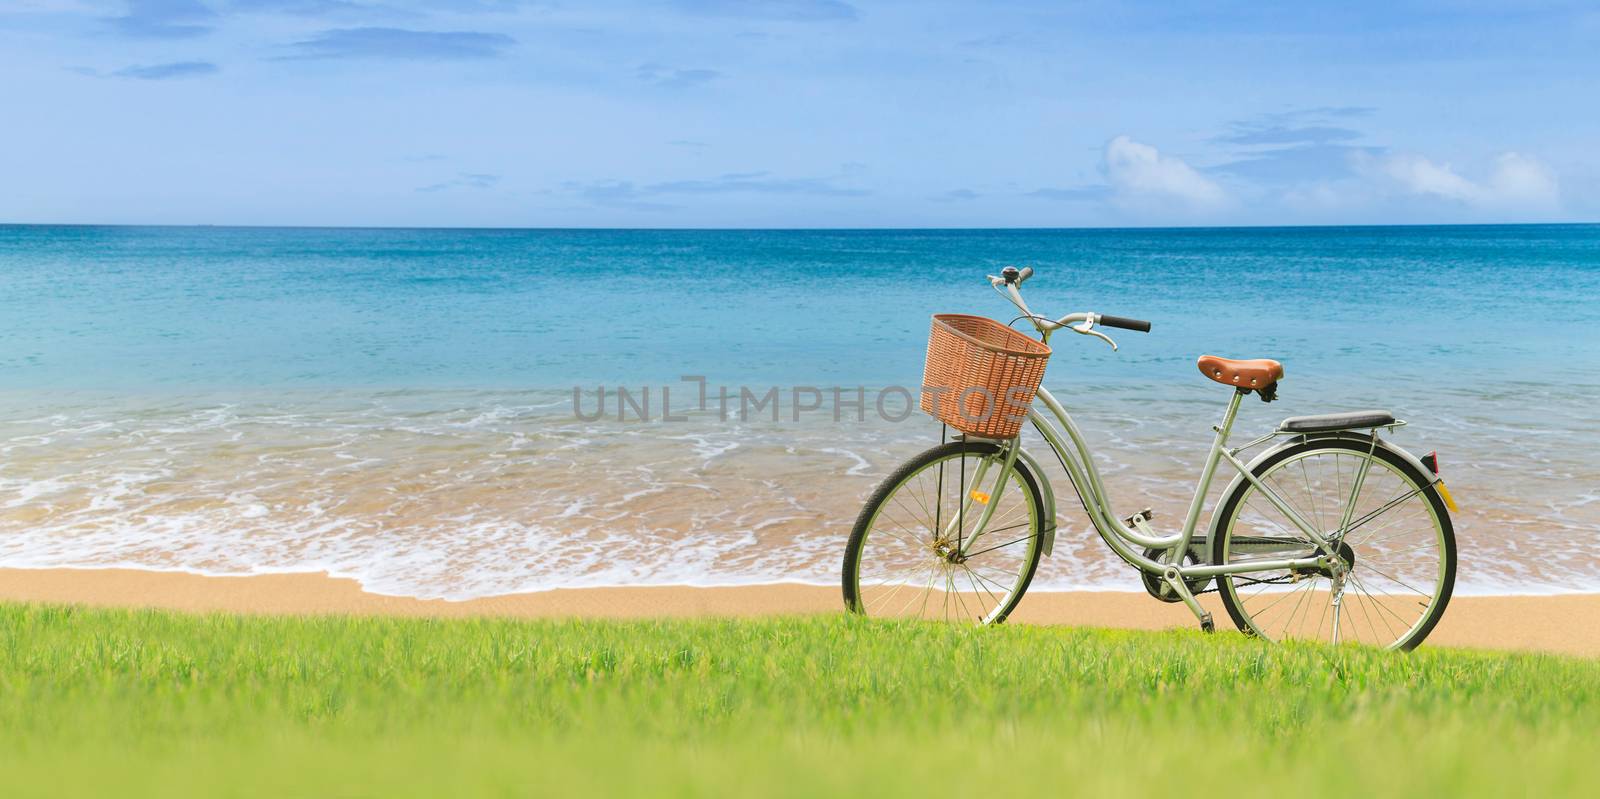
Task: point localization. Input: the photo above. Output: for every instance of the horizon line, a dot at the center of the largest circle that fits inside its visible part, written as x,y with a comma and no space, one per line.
795,229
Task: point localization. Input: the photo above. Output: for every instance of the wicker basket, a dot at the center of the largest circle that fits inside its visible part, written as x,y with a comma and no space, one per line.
981,376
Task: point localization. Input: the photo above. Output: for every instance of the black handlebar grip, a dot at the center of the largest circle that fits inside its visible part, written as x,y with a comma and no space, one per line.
1027,272
1125,323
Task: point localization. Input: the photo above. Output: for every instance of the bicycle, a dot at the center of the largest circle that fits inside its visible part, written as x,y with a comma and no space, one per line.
1332,528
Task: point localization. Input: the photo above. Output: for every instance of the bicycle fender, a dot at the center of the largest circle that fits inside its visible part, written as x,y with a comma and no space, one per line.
1365,438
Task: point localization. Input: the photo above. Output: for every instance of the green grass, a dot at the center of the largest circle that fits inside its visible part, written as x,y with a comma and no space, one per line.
118,703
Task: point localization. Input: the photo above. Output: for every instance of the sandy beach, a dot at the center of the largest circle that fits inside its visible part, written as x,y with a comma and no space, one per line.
1567,624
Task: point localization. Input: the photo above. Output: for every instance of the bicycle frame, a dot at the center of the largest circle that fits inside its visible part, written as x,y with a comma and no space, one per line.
1125,540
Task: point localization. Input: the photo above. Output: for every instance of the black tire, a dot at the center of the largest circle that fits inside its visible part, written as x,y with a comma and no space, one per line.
880,495
1230,507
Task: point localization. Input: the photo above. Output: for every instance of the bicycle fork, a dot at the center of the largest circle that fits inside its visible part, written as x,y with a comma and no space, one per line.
989,500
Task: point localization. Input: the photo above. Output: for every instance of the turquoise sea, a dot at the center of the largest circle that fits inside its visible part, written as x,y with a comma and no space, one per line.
397,405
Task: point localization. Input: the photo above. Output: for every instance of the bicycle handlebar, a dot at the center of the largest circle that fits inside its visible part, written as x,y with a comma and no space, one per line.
1125,323
1011,277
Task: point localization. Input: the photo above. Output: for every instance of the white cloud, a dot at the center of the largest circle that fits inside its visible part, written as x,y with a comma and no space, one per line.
1416,174
1525,182
1516,182
1140,176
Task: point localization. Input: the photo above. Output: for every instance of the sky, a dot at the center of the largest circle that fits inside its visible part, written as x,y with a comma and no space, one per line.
797,113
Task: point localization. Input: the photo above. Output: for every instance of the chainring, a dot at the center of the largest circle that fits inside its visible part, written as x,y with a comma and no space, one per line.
1158,588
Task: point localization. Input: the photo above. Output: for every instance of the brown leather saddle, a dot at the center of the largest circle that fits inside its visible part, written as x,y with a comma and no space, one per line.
1260,375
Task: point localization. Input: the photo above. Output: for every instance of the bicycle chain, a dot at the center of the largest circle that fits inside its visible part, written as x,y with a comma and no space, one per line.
1252,581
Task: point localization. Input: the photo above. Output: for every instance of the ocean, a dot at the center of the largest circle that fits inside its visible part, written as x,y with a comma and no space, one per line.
398,406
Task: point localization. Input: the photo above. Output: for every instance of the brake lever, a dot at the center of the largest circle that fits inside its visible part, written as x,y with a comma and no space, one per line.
1086,327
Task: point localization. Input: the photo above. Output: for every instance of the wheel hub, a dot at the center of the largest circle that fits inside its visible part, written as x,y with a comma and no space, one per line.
1347,557
948,552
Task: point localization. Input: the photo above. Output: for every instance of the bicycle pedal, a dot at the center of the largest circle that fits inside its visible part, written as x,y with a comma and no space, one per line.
1142,516
1207,625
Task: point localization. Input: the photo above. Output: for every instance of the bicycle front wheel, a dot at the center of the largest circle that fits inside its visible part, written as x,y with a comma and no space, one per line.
1397,551
916,550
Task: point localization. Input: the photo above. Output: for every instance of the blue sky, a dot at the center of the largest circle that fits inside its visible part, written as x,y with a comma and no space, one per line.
797,113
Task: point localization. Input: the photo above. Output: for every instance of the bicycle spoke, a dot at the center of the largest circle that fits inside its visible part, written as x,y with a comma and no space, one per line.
1265,586
914,544
1401,522
1286,594
884,598
973,578
910,571
955,584
1324,615
1338,475
1280,530
1398,581
914,530
990,530
953,594
914,518
892,594
1294,610
1028,537
1364,612
988,580
1373,514
933,571
1292,506
1367,542
1386,608
1405,625
1316,508
1387,557
921,486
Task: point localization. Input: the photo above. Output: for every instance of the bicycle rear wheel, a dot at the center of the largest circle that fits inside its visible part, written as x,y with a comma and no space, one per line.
1397,554
916,552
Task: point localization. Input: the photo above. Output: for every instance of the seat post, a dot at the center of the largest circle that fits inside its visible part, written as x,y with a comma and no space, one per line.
1224,429
1210,469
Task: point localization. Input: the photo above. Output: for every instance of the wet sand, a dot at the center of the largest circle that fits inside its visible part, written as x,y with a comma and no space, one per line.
1568,624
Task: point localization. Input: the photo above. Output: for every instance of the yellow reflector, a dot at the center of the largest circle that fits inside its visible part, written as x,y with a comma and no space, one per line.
980,497
1444,494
